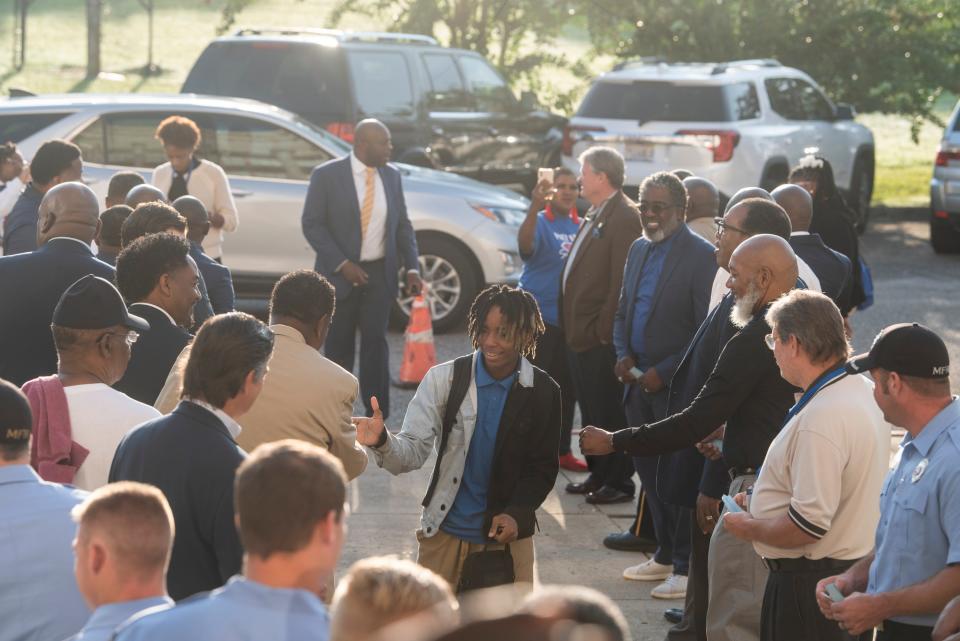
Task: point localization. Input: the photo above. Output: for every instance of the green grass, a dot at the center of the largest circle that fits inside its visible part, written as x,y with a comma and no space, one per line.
56,62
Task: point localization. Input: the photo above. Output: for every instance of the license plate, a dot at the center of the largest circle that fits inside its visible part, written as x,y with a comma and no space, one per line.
638,151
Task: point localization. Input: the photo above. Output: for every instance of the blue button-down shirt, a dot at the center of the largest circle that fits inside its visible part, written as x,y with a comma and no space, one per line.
39,598
241,610
465,519
919,530
106,619
643,297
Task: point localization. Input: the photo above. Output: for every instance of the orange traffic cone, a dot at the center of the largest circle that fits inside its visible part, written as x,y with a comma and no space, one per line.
419,354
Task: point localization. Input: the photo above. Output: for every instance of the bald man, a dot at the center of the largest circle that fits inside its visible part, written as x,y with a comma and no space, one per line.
746,392
355,218
703,205
31,284
216,276
832,268
144,194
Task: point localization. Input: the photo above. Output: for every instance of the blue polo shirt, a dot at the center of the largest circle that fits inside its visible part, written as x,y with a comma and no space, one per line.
106,619
650,273
542,268
465,518
39,598
919,530
242,610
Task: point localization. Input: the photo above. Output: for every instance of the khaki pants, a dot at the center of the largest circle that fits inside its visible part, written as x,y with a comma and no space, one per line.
445,554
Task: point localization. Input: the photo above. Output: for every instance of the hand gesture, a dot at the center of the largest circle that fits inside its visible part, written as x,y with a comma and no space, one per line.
594,440
369,430
824,602
622,370
354,274
708,513
414,284
543,192
503,529
650,381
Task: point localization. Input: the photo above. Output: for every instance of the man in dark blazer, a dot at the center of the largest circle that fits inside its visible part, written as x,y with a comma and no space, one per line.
589,292
666,291
216,276
832,268
32,283
159,281
191,455
355,218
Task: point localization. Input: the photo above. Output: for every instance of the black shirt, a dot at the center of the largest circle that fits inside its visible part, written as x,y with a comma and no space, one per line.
745,391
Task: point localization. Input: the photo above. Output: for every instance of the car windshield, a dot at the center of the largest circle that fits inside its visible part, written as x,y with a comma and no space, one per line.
647,101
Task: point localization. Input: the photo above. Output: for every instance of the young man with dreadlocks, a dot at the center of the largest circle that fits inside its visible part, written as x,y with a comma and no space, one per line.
494,420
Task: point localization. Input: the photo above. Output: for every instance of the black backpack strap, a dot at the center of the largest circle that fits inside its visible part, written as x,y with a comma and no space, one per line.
462,375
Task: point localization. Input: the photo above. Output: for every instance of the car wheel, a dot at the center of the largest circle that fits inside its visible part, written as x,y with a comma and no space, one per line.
943,238
861,190
450,284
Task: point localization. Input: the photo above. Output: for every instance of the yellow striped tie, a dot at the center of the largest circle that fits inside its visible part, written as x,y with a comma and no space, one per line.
366,212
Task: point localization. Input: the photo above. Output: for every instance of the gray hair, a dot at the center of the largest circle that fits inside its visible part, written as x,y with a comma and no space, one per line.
815,321
606,161
670,182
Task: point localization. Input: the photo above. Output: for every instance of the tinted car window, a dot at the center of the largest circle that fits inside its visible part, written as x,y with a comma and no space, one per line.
789,99
665,101
126,140
381,83
16,128
489,90
447,92
251,147
815,106
303,77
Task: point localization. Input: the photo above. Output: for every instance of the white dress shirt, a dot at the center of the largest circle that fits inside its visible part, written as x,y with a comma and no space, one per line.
232,426
372,246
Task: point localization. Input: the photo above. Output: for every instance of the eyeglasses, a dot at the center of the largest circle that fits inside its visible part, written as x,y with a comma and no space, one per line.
723,226
129,337
656,208
770,340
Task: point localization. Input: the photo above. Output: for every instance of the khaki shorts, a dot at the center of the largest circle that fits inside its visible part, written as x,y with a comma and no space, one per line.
445,554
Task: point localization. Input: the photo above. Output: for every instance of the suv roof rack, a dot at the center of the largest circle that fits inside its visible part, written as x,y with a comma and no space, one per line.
753,62
640,62
718,68
342,36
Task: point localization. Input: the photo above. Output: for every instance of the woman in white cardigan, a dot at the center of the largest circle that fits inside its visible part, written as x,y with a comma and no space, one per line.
186,174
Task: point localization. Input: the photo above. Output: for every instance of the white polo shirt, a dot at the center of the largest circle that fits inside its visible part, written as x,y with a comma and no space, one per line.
824,470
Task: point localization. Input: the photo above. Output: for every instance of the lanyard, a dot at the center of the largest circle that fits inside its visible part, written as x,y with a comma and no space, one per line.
825,380
548,213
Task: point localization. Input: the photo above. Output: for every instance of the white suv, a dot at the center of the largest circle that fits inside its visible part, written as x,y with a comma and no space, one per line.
738,124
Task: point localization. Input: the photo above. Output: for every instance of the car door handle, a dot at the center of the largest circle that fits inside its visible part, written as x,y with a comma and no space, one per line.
239,193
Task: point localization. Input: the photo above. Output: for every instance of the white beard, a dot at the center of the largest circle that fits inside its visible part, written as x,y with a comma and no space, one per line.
742,312
655,237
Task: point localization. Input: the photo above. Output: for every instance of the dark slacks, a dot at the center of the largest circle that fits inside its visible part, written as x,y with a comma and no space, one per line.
894,631
552,358
366,308
670,522
600,395
790,611
694,622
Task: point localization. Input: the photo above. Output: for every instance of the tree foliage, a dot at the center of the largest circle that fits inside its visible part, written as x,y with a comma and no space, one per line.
892,56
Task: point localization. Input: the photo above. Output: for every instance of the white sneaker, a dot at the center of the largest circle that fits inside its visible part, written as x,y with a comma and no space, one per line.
648,571
675,587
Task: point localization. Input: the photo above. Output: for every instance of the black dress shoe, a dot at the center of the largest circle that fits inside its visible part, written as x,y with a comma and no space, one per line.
629,542
607,495
590,485
673,615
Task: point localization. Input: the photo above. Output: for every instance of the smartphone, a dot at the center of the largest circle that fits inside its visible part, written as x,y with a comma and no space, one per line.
730,503
834,592
635,372
545,173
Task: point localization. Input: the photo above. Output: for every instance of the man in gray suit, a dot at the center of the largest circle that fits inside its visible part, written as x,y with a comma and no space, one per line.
666,290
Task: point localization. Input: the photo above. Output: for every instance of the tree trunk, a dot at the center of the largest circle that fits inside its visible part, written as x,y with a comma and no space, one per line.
94,19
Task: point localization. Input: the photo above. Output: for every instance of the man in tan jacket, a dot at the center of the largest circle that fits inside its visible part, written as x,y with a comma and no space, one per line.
305,395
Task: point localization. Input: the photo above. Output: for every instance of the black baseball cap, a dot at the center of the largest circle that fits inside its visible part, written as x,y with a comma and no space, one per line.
94,303
16,419
909,349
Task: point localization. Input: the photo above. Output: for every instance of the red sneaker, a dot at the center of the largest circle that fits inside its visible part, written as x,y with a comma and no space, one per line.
571,463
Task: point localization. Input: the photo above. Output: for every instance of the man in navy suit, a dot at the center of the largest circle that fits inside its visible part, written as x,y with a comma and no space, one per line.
665,294
216,276
32,283
832,268
355,218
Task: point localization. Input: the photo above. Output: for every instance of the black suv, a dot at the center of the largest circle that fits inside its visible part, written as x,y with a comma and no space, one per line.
446,108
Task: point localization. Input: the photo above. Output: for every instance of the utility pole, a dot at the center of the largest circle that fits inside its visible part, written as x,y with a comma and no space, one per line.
94,21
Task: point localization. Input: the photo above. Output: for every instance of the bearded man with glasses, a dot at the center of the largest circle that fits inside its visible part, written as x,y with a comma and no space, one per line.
78,418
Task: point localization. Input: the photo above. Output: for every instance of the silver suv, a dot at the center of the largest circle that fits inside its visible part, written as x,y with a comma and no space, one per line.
466,230
945,190
739,124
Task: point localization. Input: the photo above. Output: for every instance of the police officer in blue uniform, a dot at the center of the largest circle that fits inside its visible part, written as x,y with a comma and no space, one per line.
915,567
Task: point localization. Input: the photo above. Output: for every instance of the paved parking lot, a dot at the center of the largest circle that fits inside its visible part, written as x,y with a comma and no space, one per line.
912,284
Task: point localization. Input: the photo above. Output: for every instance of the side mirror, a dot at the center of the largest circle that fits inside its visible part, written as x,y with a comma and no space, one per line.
844,111
528,101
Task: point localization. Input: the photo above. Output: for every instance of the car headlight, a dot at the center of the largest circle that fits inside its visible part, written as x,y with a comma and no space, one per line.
505,215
